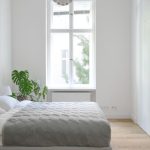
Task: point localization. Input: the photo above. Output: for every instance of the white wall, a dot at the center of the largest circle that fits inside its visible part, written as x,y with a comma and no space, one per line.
136,60
5,42
113,49
114,57
141,63
29,43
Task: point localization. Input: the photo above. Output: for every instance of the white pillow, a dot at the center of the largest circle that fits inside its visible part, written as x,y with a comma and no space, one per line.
7,102
2,111
23,103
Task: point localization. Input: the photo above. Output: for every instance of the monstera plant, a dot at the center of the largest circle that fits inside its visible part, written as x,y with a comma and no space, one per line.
28,89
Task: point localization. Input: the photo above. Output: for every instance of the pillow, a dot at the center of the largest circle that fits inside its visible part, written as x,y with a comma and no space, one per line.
2,111
7,102
23,103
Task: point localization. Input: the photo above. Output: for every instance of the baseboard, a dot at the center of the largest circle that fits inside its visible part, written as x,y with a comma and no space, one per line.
119,117
120,120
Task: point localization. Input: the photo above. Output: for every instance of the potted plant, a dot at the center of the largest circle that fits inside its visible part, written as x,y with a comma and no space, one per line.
28,89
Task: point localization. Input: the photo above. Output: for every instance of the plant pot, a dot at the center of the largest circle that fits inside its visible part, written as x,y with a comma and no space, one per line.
21,98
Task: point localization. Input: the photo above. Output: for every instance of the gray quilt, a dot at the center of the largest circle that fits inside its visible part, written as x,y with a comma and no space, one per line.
58,124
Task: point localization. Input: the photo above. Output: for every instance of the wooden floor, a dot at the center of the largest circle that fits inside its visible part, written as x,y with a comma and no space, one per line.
128,136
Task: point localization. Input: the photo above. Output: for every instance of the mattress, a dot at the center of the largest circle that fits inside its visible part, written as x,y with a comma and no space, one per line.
6,116
81,124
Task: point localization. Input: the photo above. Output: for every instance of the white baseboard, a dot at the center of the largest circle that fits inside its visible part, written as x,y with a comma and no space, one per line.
118,116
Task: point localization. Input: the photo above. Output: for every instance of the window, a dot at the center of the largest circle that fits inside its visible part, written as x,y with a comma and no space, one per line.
70,51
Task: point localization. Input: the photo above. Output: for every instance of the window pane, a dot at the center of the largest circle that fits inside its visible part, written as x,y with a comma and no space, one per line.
82,14
81,56
60,16
59,59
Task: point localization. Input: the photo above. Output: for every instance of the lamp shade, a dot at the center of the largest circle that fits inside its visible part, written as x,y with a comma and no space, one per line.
62,2
6,90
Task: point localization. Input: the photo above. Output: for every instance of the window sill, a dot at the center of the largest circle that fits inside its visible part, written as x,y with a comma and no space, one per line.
72,89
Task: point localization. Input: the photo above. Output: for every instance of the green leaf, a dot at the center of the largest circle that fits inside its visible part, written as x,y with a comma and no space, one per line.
44,92
14,95
26,87
17,76
36,87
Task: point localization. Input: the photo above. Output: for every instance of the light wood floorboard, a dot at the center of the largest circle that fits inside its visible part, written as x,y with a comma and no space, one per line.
128,136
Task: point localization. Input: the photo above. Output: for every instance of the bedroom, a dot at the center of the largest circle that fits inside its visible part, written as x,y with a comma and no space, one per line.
122,69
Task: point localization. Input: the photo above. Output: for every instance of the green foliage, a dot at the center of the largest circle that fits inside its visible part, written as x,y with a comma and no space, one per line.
17,76
27,88
14,95
44,92
36,88
38,92
82,67
22,80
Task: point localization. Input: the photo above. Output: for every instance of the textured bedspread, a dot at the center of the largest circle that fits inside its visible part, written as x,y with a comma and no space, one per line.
58,124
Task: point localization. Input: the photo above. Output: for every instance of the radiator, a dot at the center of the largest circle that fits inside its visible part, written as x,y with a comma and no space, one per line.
71,96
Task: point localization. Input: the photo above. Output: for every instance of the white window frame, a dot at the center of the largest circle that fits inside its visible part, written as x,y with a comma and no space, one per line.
70,31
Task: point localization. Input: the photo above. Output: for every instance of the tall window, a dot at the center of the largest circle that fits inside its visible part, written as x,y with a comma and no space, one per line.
71,47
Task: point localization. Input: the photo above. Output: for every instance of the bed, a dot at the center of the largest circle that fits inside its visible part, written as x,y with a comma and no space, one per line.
55,126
